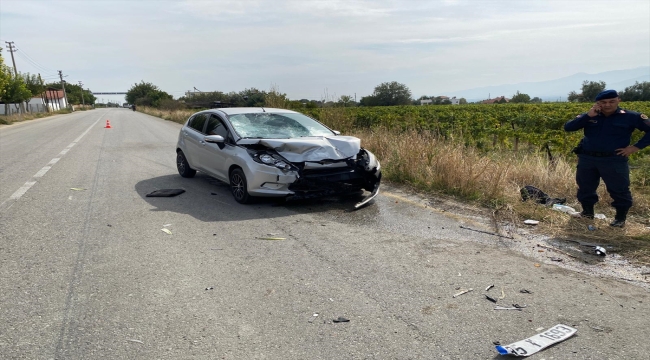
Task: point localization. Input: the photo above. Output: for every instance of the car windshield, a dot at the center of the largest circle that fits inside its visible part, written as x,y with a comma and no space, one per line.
277,126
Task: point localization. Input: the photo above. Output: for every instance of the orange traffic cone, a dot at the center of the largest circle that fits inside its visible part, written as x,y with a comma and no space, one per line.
108,125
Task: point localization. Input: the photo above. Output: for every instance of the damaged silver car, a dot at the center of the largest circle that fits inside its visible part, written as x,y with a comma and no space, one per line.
265,152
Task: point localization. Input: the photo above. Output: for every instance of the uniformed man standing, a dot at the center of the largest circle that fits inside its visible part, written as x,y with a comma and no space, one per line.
603,153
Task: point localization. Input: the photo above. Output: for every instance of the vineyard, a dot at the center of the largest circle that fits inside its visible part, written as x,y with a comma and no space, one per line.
516,127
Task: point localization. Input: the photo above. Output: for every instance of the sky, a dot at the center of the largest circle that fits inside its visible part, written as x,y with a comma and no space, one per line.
321,50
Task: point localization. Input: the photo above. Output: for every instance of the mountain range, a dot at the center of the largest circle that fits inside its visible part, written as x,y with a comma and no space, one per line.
558,89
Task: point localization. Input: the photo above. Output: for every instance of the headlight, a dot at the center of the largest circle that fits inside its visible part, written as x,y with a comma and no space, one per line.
271,160
267,159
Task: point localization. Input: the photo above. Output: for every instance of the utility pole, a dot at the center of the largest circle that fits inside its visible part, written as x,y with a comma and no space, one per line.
63,86
12,49
83,102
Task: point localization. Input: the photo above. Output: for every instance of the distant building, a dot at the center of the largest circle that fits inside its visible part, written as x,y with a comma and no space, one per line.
426,102
496,100
455,101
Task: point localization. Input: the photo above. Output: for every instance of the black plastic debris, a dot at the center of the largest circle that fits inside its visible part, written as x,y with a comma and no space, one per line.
340,320
209,288
537,195
524,291
491,298
165,193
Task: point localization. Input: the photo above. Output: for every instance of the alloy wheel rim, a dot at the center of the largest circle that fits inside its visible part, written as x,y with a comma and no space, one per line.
180,163
237,185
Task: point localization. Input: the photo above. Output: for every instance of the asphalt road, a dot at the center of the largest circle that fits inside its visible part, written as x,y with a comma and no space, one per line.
88,273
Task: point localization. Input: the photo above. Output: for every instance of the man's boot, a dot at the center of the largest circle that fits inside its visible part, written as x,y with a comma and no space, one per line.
619,219
587,211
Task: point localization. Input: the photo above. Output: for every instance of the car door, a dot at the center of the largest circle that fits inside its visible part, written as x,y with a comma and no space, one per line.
214,157
193,135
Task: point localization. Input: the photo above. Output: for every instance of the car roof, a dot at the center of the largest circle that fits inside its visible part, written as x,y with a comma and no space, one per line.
250,110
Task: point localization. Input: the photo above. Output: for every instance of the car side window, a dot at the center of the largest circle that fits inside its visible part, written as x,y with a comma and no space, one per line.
197,122
216,127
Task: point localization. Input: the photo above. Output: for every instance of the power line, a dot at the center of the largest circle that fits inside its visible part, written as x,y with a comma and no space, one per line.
44,68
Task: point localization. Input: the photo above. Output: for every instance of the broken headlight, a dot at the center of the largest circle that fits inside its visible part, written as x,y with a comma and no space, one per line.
272,160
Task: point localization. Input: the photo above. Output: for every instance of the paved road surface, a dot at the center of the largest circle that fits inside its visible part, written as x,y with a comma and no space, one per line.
88,274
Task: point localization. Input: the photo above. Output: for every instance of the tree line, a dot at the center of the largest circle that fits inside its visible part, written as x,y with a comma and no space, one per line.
385,94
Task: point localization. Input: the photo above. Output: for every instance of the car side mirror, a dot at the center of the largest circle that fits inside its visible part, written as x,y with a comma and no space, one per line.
337,132
214,139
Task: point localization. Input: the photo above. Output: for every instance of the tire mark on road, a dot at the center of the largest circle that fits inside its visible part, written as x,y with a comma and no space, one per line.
68,330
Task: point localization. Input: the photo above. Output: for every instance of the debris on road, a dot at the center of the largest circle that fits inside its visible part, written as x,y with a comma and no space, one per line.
209,288
531,222
77,189
486,232
525,291
166,231
167,225
507,308
591,227
135,341
555,258
489,287
491,298
165,193
340,320
503,294
313,317
600,216
535,343
462,292
567,209
270,238
600,251
557,250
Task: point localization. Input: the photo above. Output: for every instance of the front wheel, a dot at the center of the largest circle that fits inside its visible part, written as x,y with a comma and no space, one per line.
238,187
183,166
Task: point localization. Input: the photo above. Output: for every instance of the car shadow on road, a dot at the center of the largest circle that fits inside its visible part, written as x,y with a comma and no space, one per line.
208,199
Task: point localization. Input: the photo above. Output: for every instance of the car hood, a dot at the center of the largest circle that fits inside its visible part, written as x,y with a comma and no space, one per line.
314,148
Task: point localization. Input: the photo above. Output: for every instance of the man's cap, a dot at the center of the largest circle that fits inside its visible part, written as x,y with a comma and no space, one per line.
606,94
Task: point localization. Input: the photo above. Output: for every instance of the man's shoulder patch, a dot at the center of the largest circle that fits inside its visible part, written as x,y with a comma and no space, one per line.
644,116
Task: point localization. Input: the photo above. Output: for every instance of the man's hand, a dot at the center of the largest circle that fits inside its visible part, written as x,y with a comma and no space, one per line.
627,151
594,111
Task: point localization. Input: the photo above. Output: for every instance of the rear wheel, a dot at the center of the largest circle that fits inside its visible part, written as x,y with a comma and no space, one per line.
238,187
183,166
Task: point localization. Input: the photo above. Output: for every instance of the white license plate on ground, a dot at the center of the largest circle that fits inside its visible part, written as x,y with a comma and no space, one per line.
538,342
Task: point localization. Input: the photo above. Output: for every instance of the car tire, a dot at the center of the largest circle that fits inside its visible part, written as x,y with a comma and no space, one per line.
183,166
239,187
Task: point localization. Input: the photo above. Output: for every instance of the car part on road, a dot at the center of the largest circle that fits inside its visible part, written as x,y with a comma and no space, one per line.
507,308
340,320
535,343
489,287
165,193
166,231
491,298
462,292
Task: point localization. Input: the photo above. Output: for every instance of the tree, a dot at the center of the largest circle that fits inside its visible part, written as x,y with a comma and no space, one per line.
392,93
5,75
146,94
575,97
462,101
637,92
73,92
346,100
591,88
520,98
536,100
369,100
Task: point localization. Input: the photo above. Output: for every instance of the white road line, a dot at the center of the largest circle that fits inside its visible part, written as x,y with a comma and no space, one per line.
23,189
